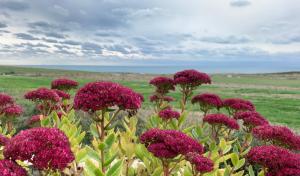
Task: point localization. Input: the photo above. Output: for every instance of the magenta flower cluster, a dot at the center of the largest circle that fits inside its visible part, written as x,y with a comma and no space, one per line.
5,100
42,94
251,118
208,100
221,119
169,143
13,110
202,164
63,95
274,159
168,114
163,84
34,119
11,168
8,107
278,135
64,84
3,140
191,78
156,98
44,147
101,95
238,104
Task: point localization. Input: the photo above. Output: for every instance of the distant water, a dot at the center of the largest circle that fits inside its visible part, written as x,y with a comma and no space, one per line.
225,67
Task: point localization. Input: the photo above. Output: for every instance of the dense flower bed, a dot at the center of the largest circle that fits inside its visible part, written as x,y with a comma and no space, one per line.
224,137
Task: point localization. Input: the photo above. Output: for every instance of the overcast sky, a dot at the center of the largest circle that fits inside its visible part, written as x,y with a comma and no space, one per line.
110,32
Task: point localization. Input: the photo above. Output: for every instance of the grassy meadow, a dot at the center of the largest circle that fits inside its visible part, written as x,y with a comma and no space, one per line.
276,96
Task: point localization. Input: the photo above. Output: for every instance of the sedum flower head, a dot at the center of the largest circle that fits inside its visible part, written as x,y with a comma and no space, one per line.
208,100
101,95
5,100
168,113
278,135
191,78
163,84
3,140
13,110
43,147
169,143
156,98
251,118
11,168
63,95
273,158
238,104
64,84
42,94
201,163
221,119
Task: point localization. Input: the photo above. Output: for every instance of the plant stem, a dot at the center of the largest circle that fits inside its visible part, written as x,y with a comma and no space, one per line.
113,117
166,168
101,134
9,126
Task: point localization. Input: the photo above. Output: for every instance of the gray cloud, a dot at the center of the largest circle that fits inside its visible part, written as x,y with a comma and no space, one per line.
240,3
226,40
55,35
171,29
14,5
70,42
3,25
50,40
25,36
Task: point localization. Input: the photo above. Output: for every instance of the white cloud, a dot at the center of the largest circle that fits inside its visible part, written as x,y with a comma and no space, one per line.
137,30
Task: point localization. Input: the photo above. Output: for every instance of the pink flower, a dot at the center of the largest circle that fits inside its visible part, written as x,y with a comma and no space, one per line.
64,84
43,147
163,84
101,95
35,118
11,168
191,78
202,164
274,158
221,119
155,98
277,135
168,113
3,140
237,104
251,118
208,101
169,143
42,94
5,100
13,110
285,172
62,94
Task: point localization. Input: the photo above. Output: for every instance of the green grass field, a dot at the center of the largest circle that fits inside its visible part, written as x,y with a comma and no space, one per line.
276,96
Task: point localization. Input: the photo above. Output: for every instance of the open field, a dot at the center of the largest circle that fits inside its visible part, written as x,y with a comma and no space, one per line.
276,96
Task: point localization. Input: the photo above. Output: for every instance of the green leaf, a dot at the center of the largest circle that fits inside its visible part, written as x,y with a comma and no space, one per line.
45,122
116,169
239,164
110,140
250,170
91,169
234,159
227,149
110,159
81,154
94,130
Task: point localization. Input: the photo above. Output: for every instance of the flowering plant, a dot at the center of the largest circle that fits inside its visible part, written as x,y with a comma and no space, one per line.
227,137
